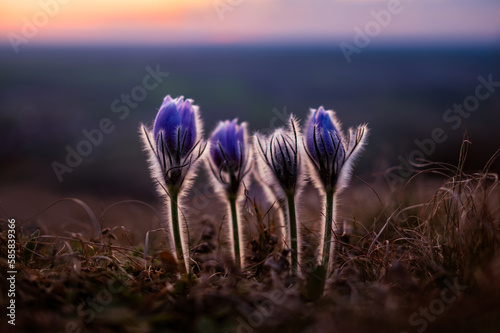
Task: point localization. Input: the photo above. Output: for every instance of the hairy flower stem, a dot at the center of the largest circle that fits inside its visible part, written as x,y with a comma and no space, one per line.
328,230
236,236
174,210
293,231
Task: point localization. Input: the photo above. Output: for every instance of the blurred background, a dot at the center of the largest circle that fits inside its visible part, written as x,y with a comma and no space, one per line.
399,66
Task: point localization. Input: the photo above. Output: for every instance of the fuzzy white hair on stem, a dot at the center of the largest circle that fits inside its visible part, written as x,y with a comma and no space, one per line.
230,164
270,190
172,168
279,156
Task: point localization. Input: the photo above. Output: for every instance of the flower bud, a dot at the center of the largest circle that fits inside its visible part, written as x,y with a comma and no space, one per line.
229,157
330,152
176,134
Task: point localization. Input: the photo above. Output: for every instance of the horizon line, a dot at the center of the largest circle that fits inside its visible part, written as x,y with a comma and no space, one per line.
333,43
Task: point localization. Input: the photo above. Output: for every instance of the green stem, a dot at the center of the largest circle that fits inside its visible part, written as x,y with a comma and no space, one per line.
236,236
328,230
293,231
174,210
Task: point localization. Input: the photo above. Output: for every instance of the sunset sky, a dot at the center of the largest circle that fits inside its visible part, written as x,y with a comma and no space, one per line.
240,21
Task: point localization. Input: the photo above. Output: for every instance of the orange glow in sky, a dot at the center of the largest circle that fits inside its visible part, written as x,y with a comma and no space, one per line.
96,12
92,18
229,21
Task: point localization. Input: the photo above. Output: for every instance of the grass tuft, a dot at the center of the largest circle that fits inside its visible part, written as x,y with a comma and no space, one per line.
432,245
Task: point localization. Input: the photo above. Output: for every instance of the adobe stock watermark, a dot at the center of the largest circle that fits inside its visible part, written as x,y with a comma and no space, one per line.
452,116
420,319
263,310
12,272
32,25
363,36
121,108
88,309
223,6
279,115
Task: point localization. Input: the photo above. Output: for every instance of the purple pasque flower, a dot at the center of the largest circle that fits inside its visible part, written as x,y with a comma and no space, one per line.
176,134
330,151
280,151
176,124
229,154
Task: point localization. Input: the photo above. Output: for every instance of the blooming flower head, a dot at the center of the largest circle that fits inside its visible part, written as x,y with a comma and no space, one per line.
280,152
175,136
229,154
330,151
175,126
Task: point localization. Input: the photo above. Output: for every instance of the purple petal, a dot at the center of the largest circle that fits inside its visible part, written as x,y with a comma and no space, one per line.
175,114
218,137
328,142
166,100
310,136
230,136
188,126
167,121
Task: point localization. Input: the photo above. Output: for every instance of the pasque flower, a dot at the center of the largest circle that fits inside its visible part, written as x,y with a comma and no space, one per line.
229,155
331,154
280,156
174,146
230,161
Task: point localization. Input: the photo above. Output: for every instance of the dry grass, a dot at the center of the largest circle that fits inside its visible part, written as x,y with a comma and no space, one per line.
423,257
